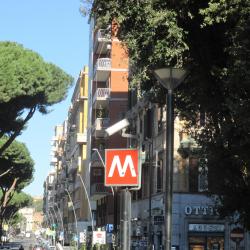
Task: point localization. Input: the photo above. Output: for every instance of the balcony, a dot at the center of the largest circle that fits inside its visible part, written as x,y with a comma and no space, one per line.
102,69
53,161
81,138
101,97
99,127
72,167
95,158
98,191
102,40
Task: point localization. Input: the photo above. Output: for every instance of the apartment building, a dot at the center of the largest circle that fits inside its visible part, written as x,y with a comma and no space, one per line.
108,93
68,200
196,224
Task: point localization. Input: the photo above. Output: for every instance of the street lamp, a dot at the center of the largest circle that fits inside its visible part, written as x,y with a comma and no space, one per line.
67,191
62,227
169,78
114,193
86,192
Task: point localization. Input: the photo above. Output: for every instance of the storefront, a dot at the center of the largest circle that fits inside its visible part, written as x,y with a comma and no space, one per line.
206,236
196,225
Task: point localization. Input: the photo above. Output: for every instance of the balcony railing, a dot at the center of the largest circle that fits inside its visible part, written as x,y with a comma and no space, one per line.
53,161
102,39
101,97
100,125
102,69
103,64
95,158
98,190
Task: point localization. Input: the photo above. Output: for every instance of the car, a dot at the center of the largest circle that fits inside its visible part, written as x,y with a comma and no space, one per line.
15,246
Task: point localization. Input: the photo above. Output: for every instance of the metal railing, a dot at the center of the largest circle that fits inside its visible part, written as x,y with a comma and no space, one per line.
103,63
101,93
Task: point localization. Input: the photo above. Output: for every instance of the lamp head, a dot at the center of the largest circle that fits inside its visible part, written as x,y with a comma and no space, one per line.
170,78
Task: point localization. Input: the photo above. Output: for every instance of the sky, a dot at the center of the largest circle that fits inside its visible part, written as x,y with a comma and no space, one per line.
59,33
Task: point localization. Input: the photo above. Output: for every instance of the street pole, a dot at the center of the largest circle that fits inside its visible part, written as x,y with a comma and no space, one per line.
74,216
169,169
53,222
170,78
150,194
125,217
61,222
90,210
115,195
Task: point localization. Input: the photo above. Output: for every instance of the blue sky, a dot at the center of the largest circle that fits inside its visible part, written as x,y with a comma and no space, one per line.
57,31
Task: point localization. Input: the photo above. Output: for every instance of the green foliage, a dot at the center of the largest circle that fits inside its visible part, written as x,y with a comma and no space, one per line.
211,39
17,159
18,201
27,84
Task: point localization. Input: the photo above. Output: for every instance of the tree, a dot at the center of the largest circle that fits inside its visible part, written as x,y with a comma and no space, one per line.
18,201
27,84
17,158
211,39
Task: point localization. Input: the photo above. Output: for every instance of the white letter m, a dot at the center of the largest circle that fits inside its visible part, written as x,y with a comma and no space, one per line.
122,169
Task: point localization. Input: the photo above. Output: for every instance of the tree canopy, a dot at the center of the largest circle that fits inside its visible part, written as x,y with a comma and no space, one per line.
27,84
211,40
17,160
18,201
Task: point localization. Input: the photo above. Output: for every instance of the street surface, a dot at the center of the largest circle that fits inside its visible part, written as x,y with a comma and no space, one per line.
28,243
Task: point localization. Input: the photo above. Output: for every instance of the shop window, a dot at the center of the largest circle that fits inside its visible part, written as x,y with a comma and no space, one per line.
206,242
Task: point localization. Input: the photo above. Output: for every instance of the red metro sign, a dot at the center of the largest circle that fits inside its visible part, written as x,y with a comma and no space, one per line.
121,167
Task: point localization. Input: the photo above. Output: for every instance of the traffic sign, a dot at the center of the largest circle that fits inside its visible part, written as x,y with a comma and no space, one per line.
237,234
99,237
121,167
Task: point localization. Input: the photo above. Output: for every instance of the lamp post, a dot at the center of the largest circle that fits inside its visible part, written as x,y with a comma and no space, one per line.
61,221
114,193
92,221
169,78
74,215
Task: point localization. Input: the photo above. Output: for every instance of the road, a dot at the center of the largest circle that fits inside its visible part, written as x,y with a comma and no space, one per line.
27,243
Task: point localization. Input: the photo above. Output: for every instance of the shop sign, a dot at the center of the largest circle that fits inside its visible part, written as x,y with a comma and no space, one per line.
109,228
206,228
200,210
99,237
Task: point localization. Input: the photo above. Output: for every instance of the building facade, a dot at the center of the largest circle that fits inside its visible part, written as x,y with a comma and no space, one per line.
67,198
108,93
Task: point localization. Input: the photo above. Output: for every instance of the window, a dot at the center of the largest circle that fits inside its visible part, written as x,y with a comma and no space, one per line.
198,175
